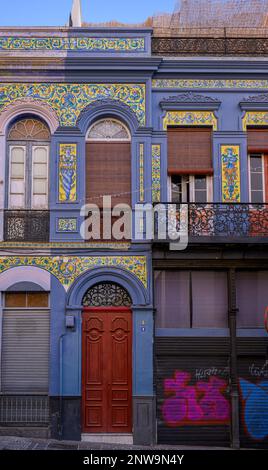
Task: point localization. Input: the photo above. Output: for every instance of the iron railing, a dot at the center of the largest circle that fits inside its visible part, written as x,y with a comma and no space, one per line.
24,410
215,221
26,226
211,46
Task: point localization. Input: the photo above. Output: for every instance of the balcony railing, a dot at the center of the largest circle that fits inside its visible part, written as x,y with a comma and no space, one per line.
213,222
210,46
26,226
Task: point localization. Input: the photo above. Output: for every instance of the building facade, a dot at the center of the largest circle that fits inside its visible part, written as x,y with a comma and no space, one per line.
131,339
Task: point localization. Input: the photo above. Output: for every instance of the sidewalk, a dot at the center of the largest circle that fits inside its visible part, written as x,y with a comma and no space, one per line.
21,443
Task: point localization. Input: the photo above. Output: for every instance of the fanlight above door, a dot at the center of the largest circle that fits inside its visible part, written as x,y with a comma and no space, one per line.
108,130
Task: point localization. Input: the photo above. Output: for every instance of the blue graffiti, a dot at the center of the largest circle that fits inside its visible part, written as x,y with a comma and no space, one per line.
255,397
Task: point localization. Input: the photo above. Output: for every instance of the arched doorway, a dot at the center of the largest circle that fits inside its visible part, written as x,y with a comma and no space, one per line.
107,360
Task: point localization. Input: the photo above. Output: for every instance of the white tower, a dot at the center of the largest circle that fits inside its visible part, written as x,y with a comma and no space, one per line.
76,14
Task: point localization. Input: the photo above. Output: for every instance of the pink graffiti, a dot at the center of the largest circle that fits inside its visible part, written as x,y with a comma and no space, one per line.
201,403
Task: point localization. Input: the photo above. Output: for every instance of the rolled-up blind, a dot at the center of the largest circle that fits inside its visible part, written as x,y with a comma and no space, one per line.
108,172
257,140
190,150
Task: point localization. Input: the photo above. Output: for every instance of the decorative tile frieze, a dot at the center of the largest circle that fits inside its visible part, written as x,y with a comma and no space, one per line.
190,118
141,168
67,173
122,246
156,173
210,84
230,167
83,44
67,268
68,100
255,118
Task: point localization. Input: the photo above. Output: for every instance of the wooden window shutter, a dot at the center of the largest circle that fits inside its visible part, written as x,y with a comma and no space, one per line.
190,150
108,172
257,140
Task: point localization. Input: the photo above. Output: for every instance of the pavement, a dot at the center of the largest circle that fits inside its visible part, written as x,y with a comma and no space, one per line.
21,443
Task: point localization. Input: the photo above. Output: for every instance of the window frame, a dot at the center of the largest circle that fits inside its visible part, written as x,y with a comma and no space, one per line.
209,189
263,177
28,172
27,308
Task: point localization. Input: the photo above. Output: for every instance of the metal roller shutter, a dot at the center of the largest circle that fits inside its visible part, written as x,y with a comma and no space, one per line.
25,351
253,392
192,381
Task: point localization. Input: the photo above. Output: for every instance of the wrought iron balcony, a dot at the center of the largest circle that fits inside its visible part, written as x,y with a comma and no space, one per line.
26,226
216,222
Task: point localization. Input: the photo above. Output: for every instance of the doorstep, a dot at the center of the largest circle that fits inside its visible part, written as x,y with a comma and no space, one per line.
112,438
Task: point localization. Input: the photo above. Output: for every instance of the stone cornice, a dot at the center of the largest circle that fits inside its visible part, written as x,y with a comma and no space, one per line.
76,64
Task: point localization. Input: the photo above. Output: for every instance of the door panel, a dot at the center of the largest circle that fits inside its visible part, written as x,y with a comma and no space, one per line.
107,370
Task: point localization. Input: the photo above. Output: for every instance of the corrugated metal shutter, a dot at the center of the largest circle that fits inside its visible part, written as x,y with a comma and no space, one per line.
253,392
192,383
25,351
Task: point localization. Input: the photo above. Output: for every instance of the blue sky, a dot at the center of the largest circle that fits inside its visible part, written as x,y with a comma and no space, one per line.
56,12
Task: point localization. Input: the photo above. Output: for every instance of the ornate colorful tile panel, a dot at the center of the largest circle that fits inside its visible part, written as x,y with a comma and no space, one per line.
68,173
210,84
230,167
255,118
67,268
69,99
156,173
141,172
190,118
67,225
91,44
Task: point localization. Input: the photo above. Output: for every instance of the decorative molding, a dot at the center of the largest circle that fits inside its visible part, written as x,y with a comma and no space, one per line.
257,99
189,97
67,268
108,106
67,173
255,118
156,173
68,100
73,44
66,225
210,84
230,168
141,171
191,101
190,118
36,107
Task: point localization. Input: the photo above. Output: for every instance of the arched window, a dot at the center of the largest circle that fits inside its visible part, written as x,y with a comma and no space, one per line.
108,162
108,130
106,294
28,143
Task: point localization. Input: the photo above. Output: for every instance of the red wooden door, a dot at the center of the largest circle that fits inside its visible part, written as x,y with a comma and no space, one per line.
107,370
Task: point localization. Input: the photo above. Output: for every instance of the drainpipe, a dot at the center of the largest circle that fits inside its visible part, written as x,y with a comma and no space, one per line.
235,440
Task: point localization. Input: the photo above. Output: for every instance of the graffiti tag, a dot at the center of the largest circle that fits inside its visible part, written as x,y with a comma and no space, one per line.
257,371
255,408
203,403
205,373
